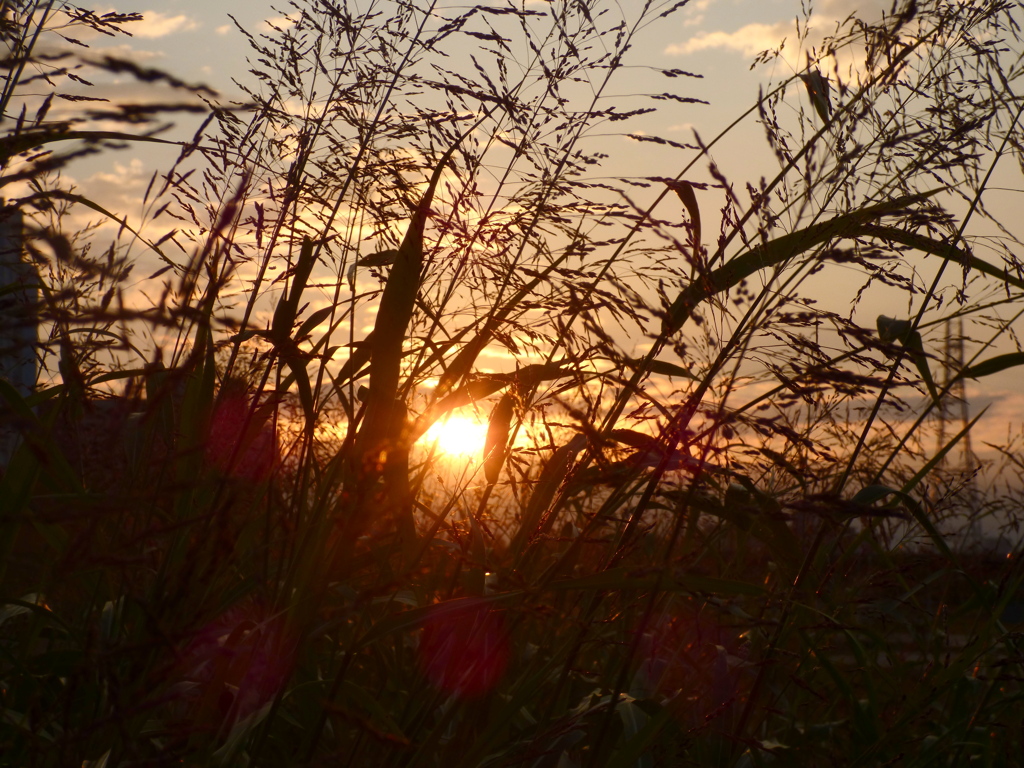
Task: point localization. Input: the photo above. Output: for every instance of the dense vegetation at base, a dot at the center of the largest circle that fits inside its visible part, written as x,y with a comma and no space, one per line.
714,521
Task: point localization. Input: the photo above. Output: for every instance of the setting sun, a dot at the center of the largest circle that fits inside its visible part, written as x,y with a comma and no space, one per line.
461,436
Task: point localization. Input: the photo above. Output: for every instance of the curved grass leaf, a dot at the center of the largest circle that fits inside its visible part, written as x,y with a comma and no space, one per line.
415,617
21,142
360,707
877,492
468,393
992,365
777,252
296,361
639,744
39,454
865,719
942,249
383,258
463,363
73,197
634,439
357,360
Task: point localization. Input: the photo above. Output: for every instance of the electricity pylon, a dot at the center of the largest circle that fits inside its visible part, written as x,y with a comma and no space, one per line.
953,410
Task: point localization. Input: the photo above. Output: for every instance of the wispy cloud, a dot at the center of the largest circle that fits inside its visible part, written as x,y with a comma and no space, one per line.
156,24
751,39
748,40
865,9
283,22
693,14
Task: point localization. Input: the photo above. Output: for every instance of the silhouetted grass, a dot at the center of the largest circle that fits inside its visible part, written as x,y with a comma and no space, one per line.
710,524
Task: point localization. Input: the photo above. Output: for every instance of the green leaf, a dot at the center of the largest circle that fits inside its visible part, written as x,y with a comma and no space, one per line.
383,258
768,526
470,392
891,329
359,706
877,493
461,366
357,360
737,514
479,388
296,361
39,456
633,718
863,720
196,405
915,508
639,440
640,743
873,493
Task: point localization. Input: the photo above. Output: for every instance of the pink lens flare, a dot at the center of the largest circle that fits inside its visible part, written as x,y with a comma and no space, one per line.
240,661
464,651
234,446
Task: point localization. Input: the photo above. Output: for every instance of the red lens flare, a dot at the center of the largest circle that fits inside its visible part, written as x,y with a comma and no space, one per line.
464,651
239,661
248,457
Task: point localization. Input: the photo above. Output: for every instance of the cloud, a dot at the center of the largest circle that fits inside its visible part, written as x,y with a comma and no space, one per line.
118,189
751,39
126,51
156,24
693,15
865,9
282,23
748,40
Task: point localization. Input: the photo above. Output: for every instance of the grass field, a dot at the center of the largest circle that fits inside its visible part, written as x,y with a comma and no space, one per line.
681,513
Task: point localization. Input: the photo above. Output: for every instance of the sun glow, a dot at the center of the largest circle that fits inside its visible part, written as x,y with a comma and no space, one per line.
457,436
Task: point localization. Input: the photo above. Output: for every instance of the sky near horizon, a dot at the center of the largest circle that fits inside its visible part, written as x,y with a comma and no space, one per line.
199,42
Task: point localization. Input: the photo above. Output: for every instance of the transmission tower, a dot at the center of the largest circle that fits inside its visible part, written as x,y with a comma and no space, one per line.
954,412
